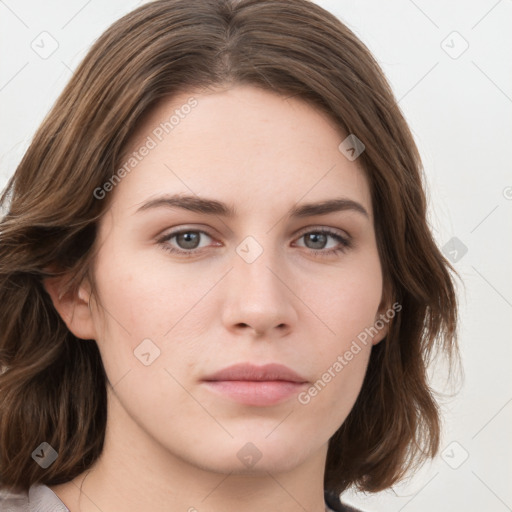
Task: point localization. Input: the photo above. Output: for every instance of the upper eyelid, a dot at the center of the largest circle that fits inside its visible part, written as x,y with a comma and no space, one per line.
178,231
307,229
334,231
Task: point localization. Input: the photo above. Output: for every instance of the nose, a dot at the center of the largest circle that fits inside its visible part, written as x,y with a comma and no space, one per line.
259,299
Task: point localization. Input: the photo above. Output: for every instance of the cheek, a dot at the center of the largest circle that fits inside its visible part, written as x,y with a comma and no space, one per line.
141,294
347,299
144,299
348,305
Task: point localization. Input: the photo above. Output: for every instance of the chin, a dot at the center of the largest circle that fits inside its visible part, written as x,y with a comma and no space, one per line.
254,455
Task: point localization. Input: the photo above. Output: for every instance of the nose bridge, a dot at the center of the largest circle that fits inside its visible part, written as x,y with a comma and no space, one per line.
257,296
255,271
252,267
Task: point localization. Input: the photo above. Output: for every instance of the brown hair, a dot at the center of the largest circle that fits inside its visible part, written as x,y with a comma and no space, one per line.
53,385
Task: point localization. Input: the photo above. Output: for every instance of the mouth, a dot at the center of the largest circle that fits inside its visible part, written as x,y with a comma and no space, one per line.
253,385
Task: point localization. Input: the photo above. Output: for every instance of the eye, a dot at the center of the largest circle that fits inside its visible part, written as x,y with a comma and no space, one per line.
318,242
189,242
186,241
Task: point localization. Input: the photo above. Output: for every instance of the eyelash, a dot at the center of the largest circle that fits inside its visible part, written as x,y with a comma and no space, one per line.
344,243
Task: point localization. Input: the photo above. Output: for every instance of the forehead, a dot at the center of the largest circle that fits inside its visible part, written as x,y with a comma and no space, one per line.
246,146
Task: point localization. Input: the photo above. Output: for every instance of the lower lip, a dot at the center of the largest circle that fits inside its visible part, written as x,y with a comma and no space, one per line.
258,393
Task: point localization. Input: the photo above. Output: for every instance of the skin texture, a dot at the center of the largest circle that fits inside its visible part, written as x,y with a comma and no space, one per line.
172,443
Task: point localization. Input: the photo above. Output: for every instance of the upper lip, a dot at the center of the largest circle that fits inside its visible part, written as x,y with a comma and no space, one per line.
250,372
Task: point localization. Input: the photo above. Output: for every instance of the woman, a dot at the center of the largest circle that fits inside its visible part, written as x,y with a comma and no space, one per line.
218,287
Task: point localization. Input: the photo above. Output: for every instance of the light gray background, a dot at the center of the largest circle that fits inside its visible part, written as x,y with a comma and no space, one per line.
458,104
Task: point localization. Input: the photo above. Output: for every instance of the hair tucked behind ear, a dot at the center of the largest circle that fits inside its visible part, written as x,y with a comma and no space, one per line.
52,388
52,385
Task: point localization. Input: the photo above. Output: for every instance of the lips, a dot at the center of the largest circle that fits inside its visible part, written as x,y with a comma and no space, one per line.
252,385
249,372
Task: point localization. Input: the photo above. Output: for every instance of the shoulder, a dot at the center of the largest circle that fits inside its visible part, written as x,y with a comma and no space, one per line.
13,502
333,502
39,498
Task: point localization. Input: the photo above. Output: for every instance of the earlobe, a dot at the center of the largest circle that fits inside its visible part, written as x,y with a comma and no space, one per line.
73,306
381,323
382,328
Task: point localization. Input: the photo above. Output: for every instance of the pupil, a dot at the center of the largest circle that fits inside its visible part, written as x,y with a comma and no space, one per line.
188,240
315,238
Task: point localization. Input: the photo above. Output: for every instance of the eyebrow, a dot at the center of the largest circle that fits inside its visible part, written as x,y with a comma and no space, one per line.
214,207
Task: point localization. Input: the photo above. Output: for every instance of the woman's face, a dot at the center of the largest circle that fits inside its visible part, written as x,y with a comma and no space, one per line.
208,258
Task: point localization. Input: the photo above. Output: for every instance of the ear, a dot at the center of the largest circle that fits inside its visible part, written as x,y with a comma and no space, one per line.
72,306
383,317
